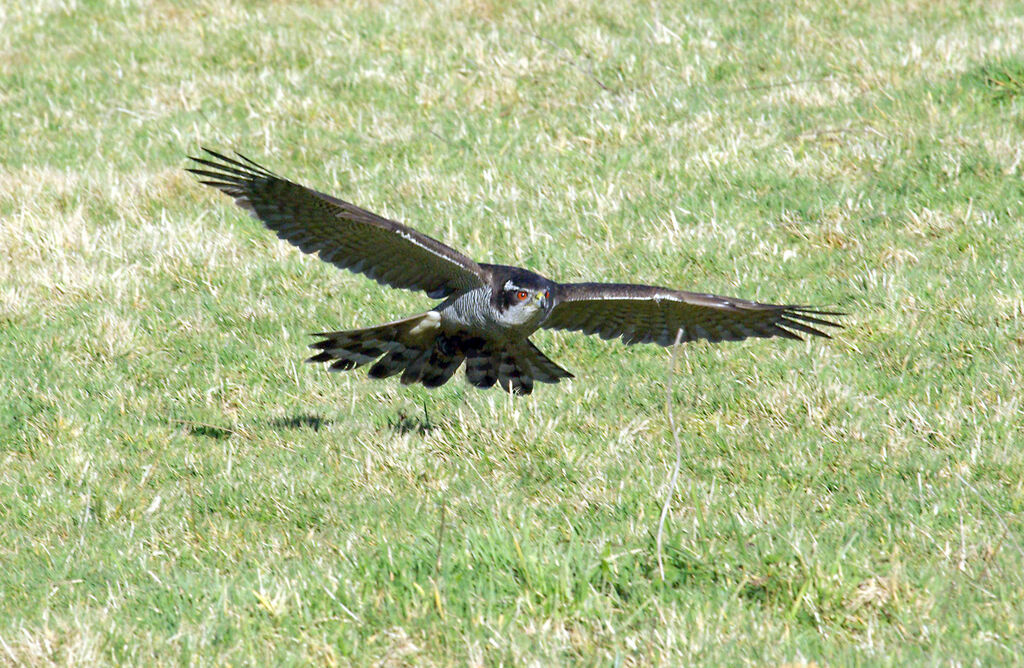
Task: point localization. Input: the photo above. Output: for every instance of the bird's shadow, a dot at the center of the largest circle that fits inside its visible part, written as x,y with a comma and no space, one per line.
304,420
408,420
400,422
404,423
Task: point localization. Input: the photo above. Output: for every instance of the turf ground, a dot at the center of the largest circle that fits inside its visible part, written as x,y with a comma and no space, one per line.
177,487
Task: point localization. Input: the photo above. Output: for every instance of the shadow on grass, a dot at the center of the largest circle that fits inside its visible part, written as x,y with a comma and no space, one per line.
780,585
209,431
403,423
206,430
1001,79
306,420
203,429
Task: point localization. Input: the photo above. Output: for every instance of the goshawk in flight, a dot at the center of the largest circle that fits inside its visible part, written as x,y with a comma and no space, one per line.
488,311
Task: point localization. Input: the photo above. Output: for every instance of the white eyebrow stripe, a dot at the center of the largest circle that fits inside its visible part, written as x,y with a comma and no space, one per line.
509,285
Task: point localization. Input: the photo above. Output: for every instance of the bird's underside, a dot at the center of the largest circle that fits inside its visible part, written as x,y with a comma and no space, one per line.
488,311
411,347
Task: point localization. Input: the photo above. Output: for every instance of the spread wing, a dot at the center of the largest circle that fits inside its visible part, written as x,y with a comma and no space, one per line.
342,233
648,314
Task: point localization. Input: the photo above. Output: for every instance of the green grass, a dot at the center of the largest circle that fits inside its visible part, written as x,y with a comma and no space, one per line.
176,487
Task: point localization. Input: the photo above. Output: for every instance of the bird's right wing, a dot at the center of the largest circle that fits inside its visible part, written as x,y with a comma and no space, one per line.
342,233
648,314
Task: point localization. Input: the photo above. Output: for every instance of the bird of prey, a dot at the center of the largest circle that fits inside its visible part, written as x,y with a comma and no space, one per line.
488,311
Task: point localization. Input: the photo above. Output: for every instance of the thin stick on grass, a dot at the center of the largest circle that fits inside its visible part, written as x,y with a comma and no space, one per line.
679,450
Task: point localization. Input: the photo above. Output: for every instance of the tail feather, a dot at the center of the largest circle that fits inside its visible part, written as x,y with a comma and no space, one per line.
391,364
541,367
395,344
417,349
415,369
514,374
481,371
441,367
514,369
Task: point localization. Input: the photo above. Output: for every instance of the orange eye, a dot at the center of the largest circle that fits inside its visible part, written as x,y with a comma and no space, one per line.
521,295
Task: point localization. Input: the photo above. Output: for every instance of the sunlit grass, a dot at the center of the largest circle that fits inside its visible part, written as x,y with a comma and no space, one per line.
176,486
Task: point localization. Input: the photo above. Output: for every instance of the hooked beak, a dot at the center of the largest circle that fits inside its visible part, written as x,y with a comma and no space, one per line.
543,299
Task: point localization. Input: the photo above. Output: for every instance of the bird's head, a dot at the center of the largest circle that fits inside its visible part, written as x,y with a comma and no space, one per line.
524,298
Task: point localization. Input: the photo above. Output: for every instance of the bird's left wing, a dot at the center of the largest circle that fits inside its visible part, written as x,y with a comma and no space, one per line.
648,314
342,233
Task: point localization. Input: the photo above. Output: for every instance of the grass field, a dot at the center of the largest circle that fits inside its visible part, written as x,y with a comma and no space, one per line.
177,487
